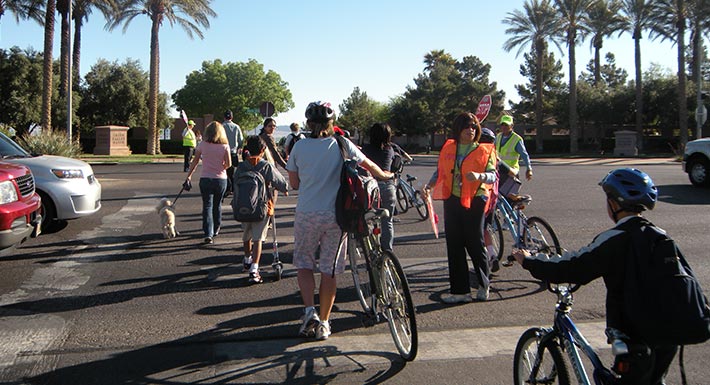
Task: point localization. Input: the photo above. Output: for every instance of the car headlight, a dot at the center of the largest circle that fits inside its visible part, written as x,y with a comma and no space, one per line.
68,174
8,193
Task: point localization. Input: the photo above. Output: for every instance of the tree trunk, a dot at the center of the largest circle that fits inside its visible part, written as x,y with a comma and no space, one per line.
76,53
682,100
63,8
153,86
597,61
47,65
573,127
539,53
639,89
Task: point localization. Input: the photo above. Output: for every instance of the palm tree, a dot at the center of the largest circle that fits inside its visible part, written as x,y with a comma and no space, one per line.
47,70
158,11
573,15
638,17
534,26
82,10
699,23
23,9
603,20
63,10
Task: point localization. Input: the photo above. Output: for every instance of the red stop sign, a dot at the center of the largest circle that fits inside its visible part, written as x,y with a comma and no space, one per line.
266,109
484,106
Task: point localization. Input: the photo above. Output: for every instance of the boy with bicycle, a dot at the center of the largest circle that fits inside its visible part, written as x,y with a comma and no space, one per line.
629,192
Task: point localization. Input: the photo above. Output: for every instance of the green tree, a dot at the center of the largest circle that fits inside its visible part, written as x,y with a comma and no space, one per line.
196,14
238,86
115,94
20,92
603,20
638,17
609,75
534,26
359,112
47,68
23,9
552,79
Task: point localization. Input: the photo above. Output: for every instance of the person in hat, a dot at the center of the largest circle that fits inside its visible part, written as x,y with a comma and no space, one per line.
511,148
236,142
189,142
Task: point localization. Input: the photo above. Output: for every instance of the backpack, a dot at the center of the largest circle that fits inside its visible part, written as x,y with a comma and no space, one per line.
663,301
294,139
357,194
250,195
397,165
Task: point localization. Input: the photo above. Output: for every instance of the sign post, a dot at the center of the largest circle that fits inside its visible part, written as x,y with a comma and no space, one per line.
266,109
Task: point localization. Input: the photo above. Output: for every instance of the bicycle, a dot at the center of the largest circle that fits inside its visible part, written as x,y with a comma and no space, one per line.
382,287
538,357
408,196
533,233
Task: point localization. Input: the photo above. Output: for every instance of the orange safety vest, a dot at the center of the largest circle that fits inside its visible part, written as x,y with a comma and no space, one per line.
476,161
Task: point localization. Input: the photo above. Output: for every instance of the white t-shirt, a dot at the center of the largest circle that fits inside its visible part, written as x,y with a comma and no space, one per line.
318,162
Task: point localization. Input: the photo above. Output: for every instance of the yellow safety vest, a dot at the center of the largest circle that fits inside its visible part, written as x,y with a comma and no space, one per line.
507,153
188,138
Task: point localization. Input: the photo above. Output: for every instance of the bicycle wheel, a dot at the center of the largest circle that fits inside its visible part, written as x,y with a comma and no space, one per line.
361,277
421,206
402,201
538,237
399,308
495,232
535,364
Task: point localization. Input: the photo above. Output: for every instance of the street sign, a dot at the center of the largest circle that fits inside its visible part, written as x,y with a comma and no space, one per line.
484,106
266,109
252,110
701,114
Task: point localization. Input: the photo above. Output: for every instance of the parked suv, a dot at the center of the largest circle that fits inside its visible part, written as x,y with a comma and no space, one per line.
20,206
67,186
696,161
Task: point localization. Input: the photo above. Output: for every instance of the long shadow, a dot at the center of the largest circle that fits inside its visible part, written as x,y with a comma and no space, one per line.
681,194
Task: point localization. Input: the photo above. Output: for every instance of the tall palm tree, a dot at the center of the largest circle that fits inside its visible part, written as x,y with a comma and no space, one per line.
573,15
698,11
81,13
603,20
23,9
63,11
534,26
47,70
638,17
158,11
670,22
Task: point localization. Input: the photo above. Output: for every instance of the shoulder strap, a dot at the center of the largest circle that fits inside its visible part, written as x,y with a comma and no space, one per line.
341,145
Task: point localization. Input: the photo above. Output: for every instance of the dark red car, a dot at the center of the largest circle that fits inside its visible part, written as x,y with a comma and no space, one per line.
20,206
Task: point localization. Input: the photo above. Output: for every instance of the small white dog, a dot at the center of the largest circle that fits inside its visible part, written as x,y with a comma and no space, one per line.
167,218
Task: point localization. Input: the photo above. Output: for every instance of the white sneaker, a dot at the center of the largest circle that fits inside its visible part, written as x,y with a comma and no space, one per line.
482,294
310,321
323,330
457,298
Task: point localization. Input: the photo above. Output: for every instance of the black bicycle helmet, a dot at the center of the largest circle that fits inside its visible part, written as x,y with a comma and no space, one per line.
632,189
487,136
319,112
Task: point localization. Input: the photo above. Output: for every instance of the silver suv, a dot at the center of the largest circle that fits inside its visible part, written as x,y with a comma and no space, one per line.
696,161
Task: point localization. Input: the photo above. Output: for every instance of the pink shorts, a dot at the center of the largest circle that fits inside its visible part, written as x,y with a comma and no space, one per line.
313,229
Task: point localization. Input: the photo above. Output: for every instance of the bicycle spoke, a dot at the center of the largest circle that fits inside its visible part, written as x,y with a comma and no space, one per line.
398,307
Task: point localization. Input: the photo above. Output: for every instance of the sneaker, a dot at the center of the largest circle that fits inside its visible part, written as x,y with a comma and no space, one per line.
323,330
216,232
310,321
255,277
482,294
457,298
495,265
247,263
209,240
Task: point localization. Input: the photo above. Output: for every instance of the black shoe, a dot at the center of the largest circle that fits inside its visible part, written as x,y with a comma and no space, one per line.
495,266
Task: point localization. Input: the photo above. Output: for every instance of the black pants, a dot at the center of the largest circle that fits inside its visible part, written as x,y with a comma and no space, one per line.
230,172
188,152
663,357
464,233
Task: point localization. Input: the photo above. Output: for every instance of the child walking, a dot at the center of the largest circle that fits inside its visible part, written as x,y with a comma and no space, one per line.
255,232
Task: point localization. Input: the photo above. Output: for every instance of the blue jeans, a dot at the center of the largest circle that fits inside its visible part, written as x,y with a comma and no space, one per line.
212,191
387,201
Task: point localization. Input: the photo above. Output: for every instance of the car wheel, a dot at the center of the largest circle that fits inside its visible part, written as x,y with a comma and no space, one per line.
49,213
698,169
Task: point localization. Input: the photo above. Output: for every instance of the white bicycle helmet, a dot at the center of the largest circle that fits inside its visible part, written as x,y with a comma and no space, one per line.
320,112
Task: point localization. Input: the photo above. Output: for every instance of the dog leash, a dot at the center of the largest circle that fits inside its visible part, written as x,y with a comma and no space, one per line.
185,186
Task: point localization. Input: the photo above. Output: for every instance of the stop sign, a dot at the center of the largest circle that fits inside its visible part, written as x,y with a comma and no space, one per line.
701,114
266,109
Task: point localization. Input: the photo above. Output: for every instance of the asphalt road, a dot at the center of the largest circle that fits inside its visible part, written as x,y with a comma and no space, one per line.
106,300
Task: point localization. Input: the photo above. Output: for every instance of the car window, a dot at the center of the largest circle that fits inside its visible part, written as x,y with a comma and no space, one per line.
10,149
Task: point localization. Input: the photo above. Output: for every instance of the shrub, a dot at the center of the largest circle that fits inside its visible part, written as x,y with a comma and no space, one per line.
50,142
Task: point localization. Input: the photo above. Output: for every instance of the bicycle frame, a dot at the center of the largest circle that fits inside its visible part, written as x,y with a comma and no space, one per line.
514,219
407,187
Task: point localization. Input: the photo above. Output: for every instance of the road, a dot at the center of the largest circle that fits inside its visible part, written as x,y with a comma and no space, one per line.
106,300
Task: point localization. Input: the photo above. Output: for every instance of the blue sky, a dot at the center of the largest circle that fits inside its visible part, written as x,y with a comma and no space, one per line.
324,49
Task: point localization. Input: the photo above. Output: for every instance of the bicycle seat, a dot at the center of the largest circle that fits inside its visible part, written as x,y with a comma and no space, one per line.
377,213
411,178
519,200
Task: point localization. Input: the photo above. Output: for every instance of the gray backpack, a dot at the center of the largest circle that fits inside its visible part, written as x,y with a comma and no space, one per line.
250,194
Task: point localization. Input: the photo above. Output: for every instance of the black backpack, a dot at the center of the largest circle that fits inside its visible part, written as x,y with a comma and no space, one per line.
250,194
663,301
357,194
294,139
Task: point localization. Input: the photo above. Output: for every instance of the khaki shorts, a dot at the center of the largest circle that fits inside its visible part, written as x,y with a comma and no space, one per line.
314,229
255,231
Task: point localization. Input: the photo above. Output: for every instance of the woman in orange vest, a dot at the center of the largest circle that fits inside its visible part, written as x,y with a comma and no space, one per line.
463,179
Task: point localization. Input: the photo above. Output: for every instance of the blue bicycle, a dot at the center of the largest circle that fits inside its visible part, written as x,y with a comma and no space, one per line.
539,356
